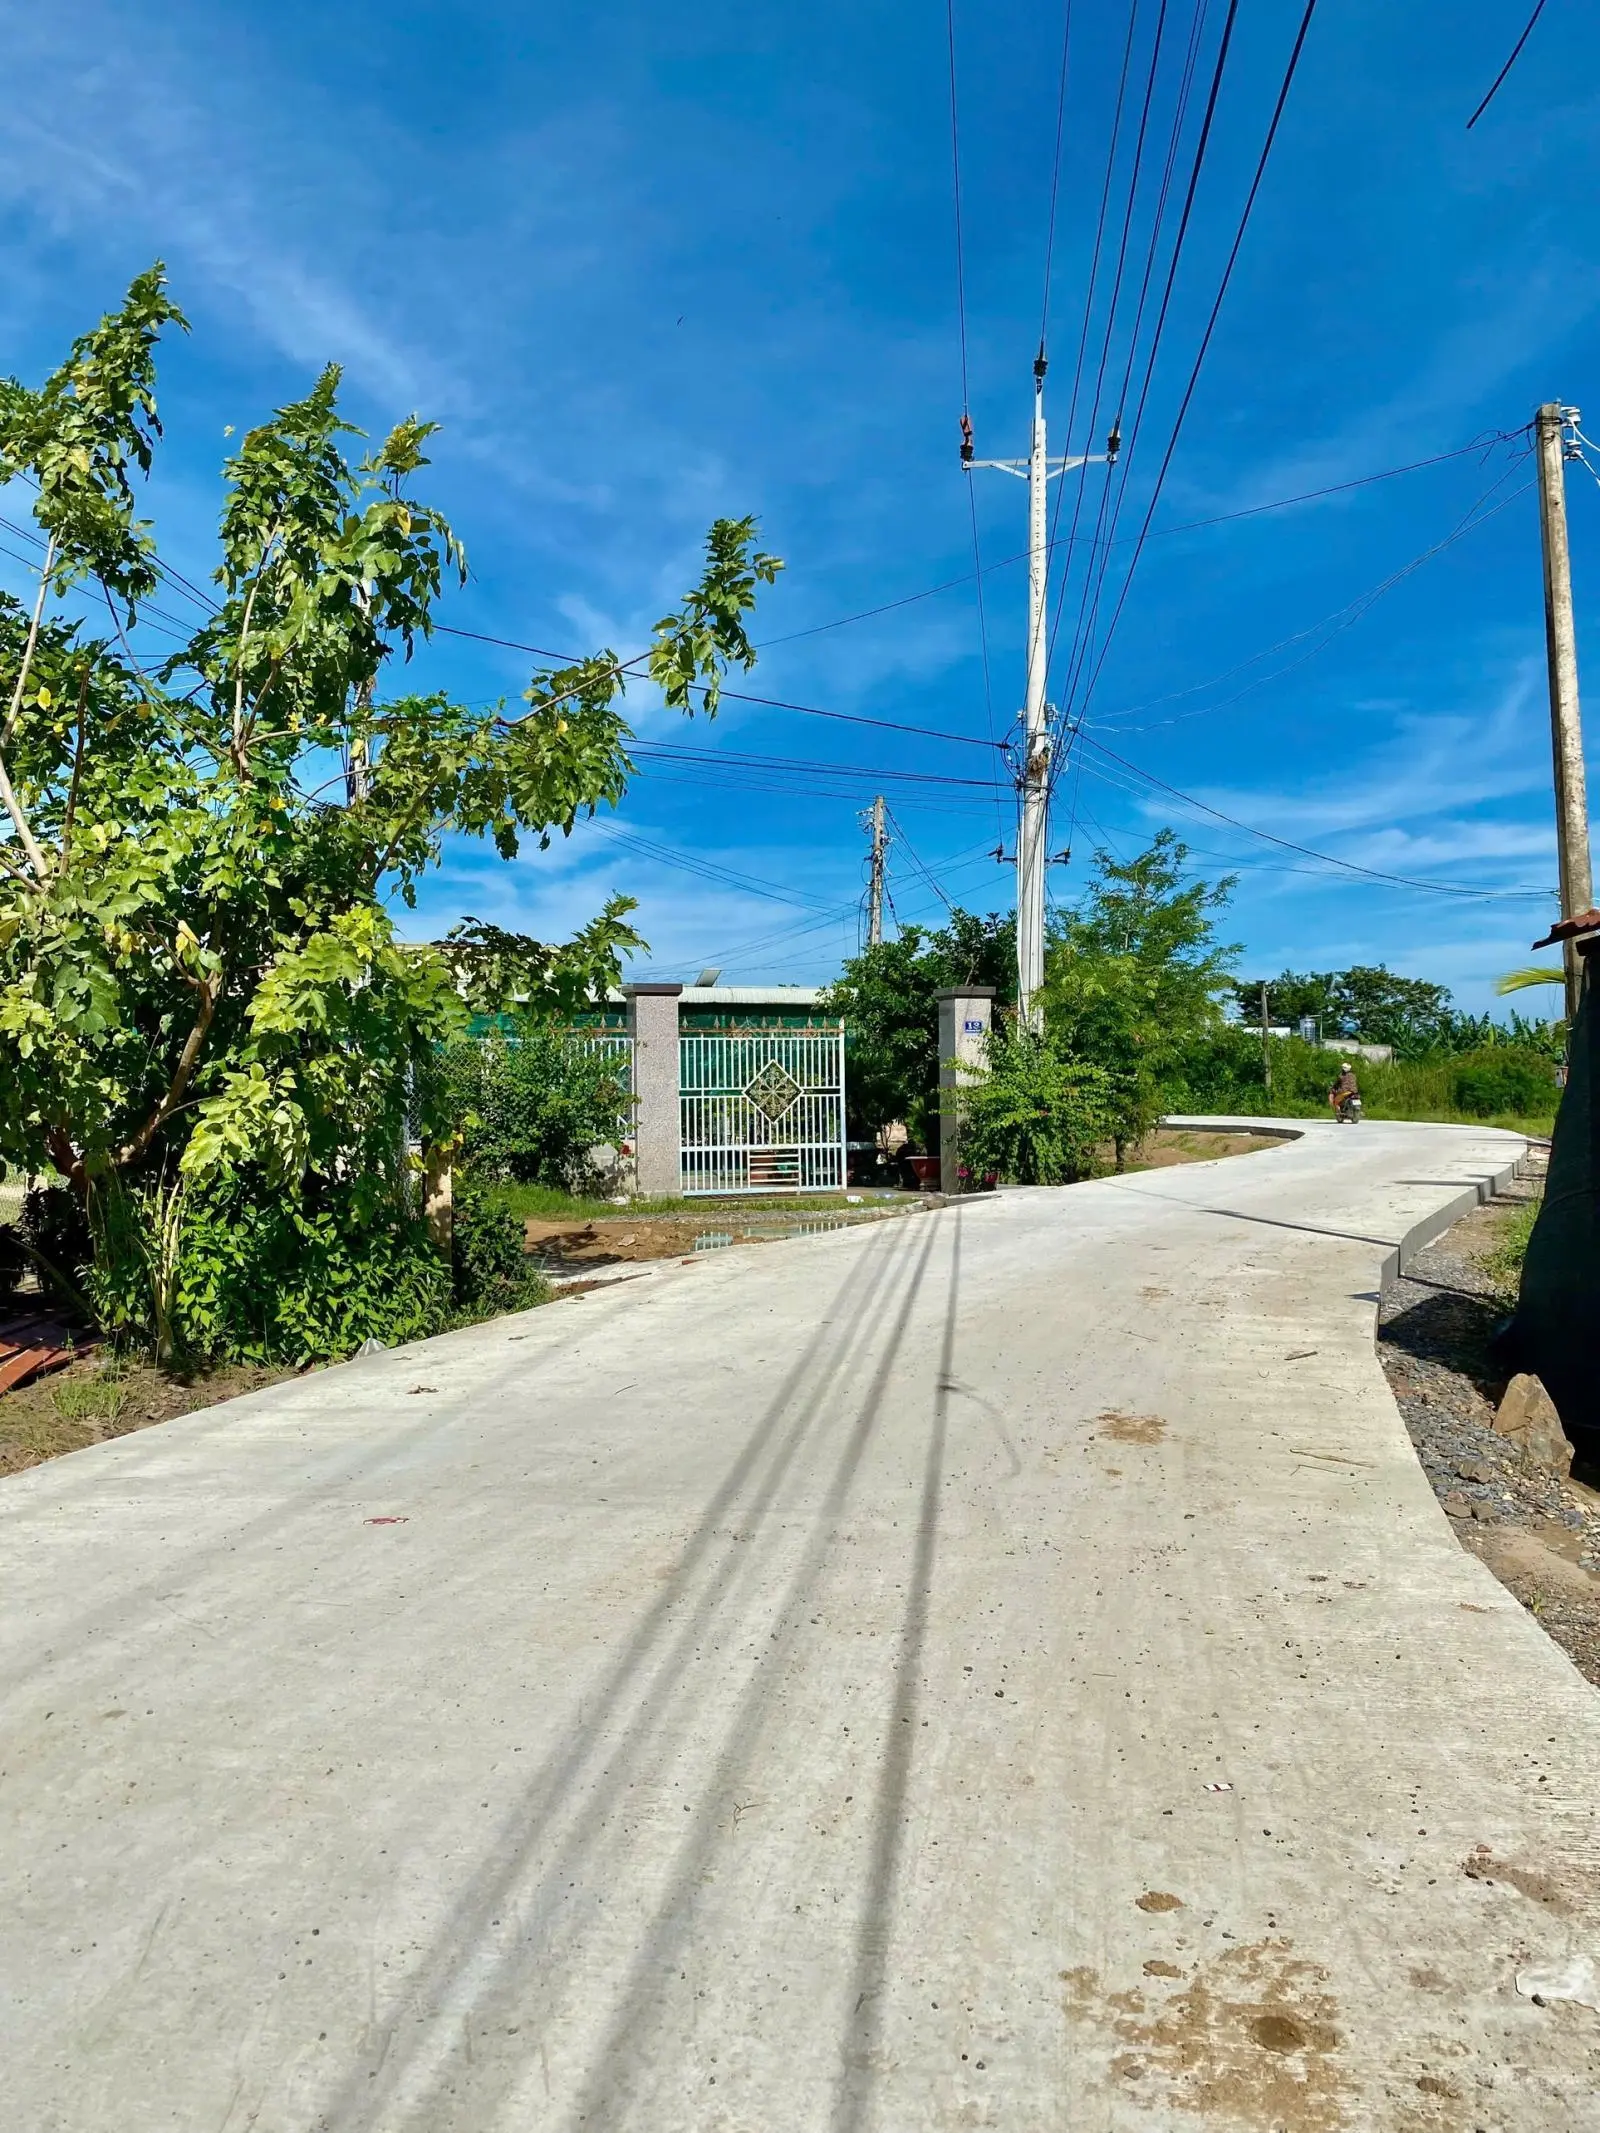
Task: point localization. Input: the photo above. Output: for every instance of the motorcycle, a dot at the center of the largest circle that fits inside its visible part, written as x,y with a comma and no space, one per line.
1347,1112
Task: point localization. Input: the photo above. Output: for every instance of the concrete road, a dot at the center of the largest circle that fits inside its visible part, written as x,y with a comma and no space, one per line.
1002,1668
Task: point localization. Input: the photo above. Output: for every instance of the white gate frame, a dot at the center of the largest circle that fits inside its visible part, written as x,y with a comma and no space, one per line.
737,1135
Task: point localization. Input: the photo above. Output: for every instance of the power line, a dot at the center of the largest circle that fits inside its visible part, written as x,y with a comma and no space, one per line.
1516,54
1055,171
1338,488
663,751
1347,866
966,397
854,718
1157,533
927,875
741,696
707,869
955,170
1111,309
1225,44
1210,328
1341,619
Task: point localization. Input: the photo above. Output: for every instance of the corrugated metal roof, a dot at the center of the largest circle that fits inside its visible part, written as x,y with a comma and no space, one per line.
1564,929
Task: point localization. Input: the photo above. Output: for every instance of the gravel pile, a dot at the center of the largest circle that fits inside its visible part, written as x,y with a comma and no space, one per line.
1435,1325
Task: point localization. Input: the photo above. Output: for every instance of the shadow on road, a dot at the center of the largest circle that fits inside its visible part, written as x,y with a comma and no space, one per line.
509,1940
864,2011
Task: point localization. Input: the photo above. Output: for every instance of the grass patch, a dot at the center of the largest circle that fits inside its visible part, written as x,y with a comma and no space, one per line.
102,1396
99,1398
1504,1262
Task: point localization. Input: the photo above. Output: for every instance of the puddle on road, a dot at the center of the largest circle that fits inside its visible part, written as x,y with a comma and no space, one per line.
717,1240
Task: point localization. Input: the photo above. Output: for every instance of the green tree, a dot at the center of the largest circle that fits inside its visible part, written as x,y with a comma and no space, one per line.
1374,1006
1367,1003
1133,977
888,999
201,986
1290,995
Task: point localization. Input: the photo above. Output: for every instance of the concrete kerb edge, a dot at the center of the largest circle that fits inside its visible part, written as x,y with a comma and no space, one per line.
1421,1234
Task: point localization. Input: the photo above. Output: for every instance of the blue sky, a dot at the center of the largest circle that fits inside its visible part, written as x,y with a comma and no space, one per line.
650,265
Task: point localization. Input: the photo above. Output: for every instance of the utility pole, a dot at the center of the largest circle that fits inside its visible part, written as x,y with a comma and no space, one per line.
1566,728
880,851
1266,1041
1038,470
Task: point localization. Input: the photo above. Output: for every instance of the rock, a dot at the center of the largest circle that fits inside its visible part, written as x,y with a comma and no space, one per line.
1527,1417
1456,1505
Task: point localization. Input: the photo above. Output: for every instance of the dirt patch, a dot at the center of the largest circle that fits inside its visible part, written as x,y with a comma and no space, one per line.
1480,1864
1252,2040
1159,1900
564,1246
99,1397
1175,1144
1131,1429
1538,1533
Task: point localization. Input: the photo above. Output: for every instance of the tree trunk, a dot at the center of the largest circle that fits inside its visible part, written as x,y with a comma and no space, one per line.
436,1199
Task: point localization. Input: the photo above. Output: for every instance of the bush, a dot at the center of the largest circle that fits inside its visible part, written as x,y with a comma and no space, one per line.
535,1100
265,1281
1499,1078
13,1258
1037,1115
246,1273
489,1255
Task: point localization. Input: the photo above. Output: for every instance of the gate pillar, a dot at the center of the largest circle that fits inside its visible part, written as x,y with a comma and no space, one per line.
653,1025
964,1017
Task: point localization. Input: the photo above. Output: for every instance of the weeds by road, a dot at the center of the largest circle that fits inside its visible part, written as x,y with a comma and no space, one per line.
105,1396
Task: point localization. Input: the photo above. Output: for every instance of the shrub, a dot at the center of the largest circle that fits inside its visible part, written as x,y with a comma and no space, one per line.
535,1100
266,1280
1500,1078
235,1271
489,1255
1038,1113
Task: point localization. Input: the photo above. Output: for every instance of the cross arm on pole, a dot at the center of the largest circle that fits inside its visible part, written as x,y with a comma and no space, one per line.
1052,467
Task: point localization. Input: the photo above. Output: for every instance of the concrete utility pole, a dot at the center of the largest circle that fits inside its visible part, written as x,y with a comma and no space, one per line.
1038,470
1566,728
880,851
1266,1043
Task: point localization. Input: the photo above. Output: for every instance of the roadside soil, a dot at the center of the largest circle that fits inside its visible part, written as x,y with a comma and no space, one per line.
1171,1144
98,1397
570,1247
1540,1535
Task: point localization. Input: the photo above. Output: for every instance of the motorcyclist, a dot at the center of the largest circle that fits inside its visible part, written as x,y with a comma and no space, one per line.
1345,1091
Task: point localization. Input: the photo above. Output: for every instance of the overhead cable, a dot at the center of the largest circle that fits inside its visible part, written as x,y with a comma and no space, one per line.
1347,866
1516,54
1210,328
